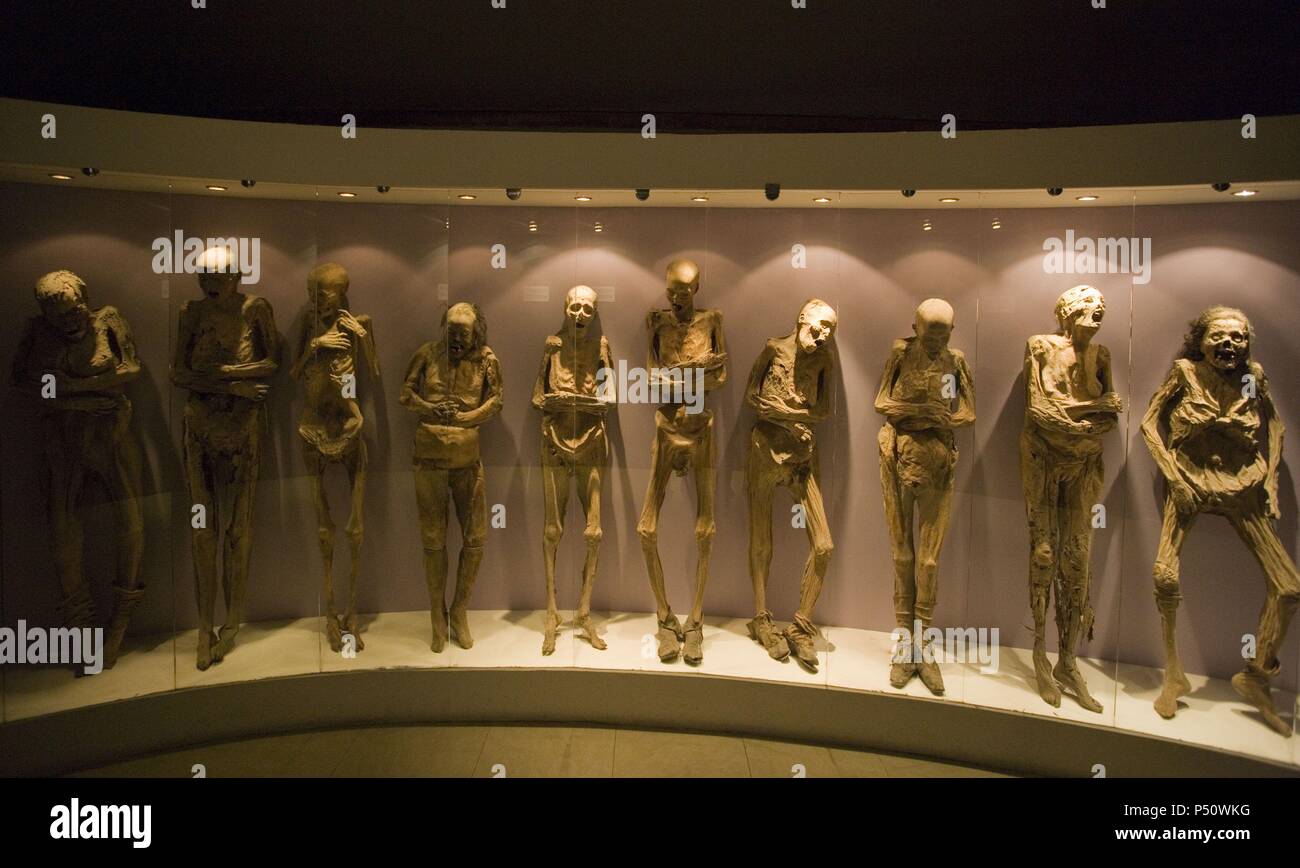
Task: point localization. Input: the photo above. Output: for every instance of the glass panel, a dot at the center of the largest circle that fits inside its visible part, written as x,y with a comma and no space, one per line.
272,630
1057,477
1239,253
80,475
395,256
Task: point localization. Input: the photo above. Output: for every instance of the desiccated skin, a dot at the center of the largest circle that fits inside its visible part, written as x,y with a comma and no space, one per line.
790,388
226,352
683,339
574,400
1205,428
454,385
331,422
1070,403
85,431
922,380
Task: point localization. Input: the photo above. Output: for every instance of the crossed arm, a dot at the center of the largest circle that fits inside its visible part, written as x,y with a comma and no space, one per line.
446,411
1049,411
80,393
775,409
235,379
935,411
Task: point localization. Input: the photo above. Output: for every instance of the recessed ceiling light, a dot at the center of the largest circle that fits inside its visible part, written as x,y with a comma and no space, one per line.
216,188
346,195
468,197
60,177
699,198
1245,193
926,227
948,200
821,200
582,198
1086,198
997,224
532,227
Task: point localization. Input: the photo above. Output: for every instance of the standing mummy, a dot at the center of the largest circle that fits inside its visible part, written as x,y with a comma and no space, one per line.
331,343
85,427
574,391
1070,403
790,389
918,457
454,385
1205,427
684,340
227,349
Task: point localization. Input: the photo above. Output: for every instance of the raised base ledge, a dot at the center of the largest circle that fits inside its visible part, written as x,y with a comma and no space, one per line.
101,734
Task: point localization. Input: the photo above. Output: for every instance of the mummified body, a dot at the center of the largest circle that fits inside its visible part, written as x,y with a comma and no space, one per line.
790,389
330,426
922,380
1070,403
1206,428
574,398
454,386
683,340
226,352
85,429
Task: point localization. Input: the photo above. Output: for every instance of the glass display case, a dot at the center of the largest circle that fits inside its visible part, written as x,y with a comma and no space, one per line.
1000,258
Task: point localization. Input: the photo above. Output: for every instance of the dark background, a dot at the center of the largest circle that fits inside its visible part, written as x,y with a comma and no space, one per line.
699,65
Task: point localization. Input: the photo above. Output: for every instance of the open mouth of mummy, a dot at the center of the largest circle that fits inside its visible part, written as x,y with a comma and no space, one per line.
1226,355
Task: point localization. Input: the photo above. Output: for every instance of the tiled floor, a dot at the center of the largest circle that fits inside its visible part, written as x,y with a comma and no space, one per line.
524,751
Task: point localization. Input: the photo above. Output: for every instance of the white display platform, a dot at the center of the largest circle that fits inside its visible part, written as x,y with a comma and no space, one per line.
855,660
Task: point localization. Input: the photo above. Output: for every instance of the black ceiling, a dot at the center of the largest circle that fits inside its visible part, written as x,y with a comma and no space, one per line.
699,65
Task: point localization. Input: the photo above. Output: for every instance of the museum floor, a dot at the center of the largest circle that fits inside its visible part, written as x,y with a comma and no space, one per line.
525,751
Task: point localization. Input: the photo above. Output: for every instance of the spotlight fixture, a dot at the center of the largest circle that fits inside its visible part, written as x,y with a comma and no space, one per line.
772,192
582,197
532,225
513,193
58,176
247,182
216,188
948,200
997,224
908,194
822,200
1055,191
347,195
699,198
383,188
599,227
926,227
468,197
1245,193
643,193
1220,186
90,171
1088,198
